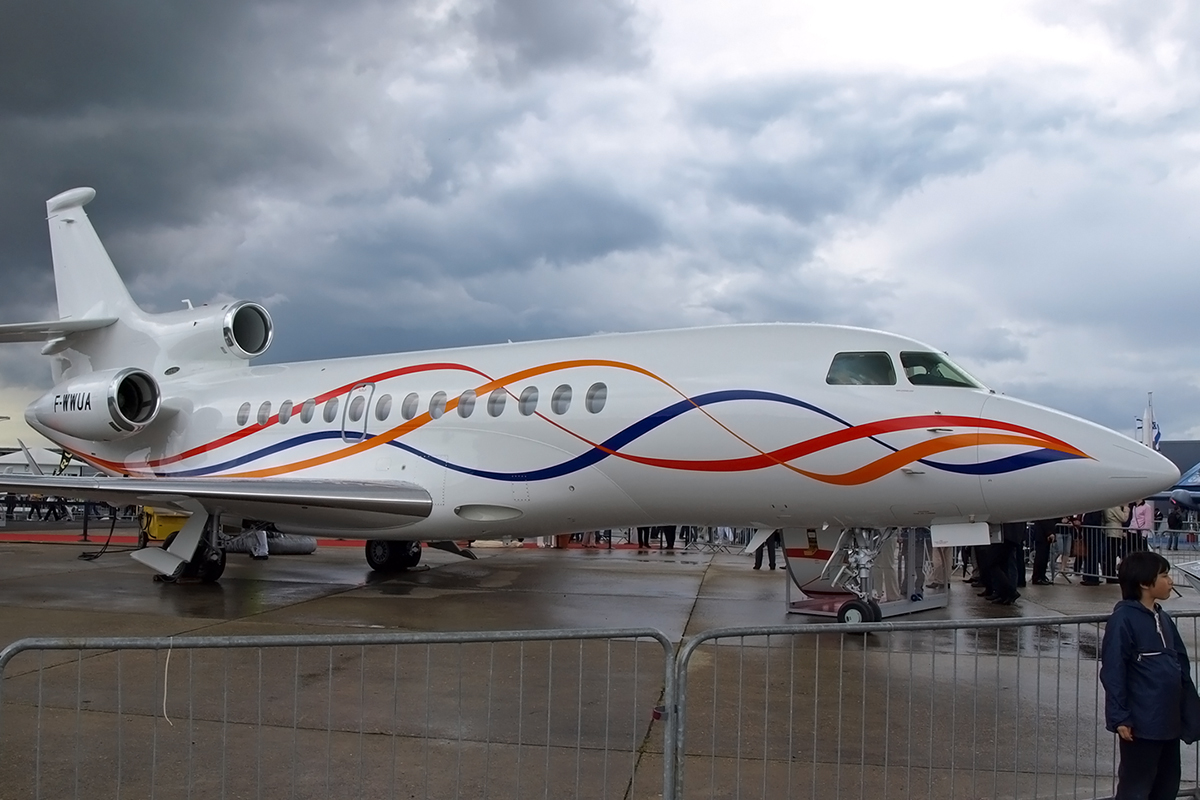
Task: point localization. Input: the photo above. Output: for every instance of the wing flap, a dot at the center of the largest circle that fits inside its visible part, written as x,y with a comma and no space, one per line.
294,504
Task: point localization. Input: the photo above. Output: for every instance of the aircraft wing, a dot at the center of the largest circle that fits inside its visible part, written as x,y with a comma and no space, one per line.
310,505
50,329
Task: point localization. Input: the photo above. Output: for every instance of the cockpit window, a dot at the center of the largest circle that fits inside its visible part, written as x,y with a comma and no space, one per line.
934,369
861,369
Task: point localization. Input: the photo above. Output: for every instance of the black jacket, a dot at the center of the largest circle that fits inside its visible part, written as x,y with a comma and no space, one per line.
1145,672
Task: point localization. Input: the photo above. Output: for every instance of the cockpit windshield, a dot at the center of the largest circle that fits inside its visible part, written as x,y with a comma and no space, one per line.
934,369
861,369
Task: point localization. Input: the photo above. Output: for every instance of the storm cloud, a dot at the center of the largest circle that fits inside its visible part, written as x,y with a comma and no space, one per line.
1017,190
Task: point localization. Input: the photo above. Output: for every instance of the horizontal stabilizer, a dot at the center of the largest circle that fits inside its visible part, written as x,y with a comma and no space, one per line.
295,504
50,329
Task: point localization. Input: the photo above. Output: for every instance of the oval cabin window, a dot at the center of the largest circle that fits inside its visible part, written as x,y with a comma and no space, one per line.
357,406
496,401
528,402
408,409
383,407
437,405
466,403
560,401
596,397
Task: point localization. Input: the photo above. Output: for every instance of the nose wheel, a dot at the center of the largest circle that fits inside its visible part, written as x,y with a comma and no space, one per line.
855,611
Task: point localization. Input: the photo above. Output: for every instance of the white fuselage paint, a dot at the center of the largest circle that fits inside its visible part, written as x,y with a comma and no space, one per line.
751,362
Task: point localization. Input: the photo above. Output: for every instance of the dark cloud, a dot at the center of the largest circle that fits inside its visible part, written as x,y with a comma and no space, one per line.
176,112
521,36
419,174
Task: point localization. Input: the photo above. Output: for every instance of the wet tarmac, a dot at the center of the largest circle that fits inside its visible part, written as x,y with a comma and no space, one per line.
801,717
46,590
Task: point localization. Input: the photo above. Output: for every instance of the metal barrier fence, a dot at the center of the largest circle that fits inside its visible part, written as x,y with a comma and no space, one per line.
1089,553
954,709
564,713
935,709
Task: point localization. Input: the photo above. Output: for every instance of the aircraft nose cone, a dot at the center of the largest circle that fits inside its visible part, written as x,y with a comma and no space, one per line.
1143,470
1093,468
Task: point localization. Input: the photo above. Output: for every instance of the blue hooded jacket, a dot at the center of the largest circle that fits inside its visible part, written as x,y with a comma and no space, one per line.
1145,672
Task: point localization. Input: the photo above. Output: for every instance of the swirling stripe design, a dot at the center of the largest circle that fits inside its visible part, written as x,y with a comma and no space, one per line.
1042,448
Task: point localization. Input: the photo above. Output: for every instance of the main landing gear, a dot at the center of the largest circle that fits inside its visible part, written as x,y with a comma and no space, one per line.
193,552
207,565
388,556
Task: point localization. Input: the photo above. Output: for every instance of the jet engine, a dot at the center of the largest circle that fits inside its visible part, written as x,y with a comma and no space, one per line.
102,406
224,334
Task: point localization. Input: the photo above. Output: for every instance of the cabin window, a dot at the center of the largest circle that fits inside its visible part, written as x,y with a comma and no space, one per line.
466,403
861,369
527,404
934,369
357,406
560,401
331,407
285,412
408,409
595,398
307,410
496,401
264,413
243,415
383,407
437,405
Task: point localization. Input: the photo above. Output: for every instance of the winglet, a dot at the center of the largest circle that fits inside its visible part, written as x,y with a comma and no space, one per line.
34,469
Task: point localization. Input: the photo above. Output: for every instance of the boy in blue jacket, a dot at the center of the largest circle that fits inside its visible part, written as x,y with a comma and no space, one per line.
1145,673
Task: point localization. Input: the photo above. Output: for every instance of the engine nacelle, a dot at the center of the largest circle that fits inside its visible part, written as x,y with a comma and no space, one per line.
102,406
212,334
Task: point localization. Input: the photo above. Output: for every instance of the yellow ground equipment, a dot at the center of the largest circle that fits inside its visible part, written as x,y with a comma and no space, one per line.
157,524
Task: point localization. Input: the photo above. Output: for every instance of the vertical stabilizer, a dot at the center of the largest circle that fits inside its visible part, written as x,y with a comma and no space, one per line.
87,283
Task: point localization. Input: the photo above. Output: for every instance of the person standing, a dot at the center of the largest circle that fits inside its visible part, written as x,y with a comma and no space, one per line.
770,543
1091,532
1002,581
1141,523
1115,520
1043,539
643,537
1147,682
668,536
1174,526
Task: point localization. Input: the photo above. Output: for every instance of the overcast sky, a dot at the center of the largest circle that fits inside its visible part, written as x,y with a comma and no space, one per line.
1015,183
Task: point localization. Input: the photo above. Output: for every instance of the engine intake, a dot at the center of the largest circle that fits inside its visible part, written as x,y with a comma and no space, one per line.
247,329
102,406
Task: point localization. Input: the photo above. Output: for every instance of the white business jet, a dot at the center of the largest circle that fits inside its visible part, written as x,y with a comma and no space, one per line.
771,426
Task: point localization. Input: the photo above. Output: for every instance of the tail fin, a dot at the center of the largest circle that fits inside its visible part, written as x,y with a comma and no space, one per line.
87,282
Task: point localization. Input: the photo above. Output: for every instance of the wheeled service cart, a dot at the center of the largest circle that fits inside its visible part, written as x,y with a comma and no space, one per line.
864,575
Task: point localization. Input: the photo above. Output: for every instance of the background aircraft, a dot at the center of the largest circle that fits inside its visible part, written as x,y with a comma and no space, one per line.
782,425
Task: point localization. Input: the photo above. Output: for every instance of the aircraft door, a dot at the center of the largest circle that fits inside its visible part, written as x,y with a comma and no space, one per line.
357,412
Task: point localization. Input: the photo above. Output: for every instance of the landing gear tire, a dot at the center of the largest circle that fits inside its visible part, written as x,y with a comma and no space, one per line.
876,611
386,556
208,563
855,611
211,566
